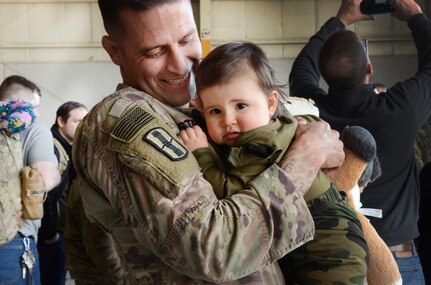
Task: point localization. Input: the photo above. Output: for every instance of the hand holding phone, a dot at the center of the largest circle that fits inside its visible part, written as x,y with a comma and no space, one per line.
372,7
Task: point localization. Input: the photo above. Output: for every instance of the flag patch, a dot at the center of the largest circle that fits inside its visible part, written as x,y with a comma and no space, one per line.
129,126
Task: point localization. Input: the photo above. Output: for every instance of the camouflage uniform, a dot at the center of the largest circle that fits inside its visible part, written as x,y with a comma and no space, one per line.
338,253
144,187
91,255
251,154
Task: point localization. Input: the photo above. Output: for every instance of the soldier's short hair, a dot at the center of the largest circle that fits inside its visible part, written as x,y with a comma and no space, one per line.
110,11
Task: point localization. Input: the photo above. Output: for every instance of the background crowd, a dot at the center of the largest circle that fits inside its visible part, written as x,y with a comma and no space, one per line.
128,203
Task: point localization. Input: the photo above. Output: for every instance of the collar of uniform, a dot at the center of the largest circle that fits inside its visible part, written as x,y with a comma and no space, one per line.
121,86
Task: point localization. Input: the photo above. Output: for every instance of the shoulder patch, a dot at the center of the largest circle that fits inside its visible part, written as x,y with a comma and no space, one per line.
166,144
127,128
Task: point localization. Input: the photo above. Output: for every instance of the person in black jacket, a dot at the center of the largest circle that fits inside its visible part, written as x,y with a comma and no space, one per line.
393,117
51,240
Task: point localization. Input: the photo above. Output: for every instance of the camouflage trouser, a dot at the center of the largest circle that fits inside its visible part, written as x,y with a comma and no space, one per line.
338,254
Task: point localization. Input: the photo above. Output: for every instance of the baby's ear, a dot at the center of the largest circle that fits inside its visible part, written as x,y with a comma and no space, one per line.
273,99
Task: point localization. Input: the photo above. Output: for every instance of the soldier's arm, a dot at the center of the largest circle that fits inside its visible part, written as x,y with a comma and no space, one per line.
160,191
180,218
100,248
316,146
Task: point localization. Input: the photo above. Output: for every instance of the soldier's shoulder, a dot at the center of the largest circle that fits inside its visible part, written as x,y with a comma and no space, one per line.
148,144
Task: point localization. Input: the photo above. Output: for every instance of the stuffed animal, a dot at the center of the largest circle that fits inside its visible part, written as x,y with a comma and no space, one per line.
360,167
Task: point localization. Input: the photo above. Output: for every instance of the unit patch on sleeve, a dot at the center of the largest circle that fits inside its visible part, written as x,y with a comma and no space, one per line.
128,127
166,144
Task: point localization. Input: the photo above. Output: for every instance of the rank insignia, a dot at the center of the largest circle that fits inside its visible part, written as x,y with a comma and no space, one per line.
128,127
166,144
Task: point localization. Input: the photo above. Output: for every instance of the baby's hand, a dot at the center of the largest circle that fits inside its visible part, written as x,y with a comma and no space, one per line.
194,138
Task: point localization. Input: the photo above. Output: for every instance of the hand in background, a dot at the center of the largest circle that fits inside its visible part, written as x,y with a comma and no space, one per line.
349,12
405,9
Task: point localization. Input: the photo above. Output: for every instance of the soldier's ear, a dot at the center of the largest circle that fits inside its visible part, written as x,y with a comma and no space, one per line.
112,49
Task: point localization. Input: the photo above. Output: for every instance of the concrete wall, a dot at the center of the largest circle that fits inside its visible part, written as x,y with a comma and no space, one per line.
56,43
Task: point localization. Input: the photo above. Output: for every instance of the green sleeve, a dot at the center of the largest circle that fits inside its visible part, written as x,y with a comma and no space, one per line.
212,172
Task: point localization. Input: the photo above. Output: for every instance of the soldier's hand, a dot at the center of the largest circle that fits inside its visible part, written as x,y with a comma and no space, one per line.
315,146
405,9
316,143
349,12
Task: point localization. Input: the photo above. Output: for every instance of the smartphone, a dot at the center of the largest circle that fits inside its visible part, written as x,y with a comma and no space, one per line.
372,7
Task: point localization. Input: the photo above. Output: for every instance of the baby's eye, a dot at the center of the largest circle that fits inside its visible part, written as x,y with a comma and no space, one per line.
215,111
241,106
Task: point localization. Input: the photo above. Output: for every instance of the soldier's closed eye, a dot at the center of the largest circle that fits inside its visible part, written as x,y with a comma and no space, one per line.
155,52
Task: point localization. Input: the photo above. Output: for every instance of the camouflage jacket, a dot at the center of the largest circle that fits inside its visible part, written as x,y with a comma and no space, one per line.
91,255
143,186
252,153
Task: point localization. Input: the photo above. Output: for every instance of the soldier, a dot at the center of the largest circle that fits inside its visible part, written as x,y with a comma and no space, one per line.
142,185
338,55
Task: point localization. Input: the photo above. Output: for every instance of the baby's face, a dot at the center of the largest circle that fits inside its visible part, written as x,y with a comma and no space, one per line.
236,107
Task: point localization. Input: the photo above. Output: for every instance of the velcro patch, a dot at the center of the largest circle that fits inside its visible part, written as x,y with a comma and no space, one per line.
128,127
166,144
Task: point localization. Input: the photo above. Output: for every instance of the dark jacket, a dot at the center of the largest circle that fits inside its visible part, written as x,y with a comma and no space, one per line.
394,119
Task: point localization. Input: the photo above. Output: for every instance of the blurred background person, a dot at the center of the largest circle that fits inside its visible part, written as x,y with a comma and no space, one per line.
37,153
51,239
393,117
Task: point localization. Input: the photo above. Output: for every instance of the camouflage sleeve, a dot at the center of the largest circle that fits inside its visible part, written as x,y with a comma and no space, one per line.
90,249
178,217
101,250
219,240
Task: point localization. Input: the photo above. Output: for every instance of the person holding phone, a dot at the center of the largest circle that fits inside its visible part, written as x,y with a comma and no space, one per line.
393,117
